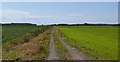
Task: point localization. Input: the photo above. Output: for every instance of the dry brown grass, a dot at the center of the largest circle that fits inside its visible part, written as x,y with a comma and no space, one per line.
33,50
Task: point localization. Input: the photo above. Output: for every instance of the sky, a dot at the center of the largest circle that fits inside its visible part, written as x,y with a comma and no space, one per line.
59,12
60,0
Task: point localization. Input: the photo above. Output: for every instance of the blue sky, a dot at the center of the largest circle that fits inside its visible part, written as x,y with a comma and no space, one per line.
60,12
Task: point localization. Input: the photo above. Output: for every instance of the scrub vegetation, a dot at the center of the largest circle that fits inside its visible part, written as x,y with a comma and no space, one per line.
34,45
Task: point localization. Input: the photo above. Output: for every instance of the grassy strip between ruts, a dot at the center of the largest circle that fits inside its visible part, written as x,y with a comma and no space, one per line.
61,49
36,48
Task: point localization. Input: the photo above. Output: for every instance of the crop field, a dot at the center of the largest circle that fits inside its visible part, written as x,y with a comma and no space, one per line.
25,42
100,42
12,32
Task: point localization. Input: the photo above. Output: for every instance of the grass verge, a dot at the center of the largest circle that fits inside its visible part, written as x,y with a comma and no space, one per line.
36,48
61,49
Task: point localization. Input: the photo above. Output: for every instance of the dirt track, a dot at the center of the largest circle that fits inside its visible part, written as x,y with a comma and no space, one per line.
53,54
75,53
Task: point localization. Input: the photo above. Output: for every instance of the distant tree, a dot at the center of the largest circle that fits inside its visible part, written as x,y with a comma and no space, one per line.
86,23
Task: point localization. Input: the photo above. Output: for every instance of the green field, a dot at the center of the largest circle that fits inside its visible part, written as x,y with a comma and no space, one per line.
100,42
12,32
25,42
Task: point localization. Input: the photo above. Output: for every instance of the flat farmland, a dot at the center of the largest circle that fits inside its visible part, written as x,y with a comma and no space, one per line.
25,42
100,42
12,32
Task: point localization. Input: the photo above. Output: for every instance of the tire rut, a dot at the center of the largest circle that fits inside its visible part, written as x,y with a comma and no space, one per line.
74,53
53,54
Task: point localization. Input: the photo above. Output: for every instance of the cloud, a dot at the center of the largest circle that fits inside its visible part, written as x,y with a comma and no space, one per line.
10,11
10,15
74,15
17,16
14,13
38,16
0,15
